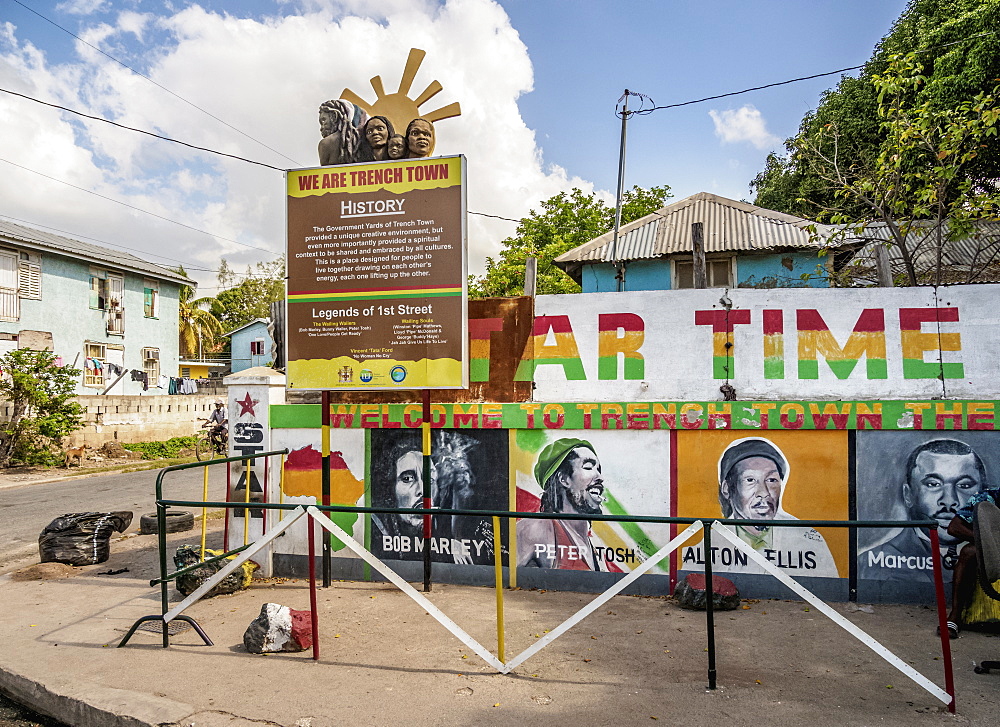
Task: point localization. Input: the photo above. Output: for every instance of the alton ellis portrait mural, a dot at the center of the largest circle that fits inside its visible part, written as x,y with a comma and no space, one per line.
392,127
777,476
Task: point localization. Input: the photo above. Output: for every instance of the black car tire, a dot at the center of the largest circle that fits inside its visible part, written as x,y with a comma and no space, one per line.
177,522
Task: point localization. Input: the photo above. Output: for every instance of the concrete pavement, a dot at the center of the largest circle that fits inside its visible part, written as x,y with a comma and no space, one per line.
385,662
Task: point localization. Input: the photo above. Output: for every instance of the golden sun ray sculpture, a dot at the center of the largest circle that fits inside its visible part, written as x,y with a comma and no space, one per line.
340,145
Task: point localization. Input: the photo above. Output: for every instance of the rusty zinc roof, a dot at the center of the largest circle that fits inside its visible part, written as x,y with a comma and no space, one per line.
728,226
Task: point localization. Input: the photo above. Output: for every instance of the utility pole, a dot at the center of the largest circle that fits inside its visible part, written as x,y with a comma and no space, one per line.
619,269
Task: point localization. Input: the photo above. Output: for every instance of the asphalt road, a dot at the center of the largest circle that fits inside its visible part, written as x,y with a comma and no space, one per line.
25,510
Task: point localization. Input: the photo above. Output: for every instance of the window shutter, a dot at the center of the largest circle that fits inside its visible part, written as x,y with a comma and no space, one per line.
30,280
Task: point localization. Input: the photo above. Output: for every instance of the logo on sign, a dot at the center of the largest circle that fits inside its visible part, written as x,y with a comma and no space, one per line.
365,375
397,374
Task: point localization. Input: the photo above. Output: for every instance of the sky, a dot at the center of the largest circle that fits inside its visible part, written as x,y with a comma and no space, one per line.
538,82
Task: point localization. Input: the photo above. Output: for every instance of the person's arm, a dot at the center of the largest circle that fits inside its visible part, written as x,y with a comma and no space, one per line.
958,528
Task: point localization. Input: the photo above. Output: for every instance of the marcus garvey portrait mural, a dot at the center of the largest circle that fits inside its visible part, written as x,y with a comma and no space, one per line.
390,128
917,476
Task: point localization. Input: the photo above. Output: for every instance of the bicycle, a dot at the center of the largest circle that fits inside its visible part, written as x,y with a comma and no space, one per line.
209,443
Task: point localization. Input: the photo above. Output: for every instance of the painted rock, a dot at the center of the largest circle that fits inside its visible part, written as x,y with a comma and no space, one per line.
188,555
278,628
690,593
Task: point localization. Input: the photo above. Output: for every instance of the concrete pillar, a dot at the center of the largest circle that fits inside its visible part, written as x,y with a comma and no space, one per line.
250,394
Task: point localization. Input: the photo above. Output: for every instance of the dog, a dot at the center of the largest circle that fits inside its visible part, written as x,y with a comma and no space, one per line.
77,453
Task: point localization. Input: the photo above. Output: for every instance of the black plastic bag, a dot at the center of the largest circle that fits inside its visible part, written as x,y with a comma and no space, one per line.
81,538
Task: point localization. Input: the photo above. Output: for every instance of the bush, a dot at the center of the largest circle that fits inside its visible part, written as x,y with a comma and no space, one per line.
162,450
40,393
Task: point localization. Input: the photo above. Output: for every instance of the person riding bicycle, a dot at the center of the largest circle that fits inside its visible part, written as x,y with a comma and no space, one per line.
218,421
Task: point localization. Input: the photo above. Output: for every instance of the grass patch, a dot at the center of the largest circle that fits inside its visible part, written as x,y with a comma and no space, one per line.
162,450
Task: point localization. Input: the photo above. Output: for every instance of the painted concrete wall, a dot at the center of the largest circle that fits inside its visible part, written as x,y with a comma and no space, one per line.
849,463
781,270
811,344
640,275
64,311
240,348
137,418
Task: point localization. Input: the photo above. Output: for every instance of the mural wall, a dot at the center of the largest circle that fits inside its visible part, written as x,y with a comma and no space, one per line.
842,467
848,404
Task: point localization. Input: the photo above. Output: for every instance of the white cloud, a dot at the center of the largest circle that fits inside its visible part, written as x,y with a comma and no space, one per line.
266,76
80,7
743,124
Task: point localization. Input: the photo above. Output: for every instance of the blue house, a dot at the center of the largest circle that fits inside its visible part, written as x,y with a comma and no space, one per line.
106,312
745,246
250,345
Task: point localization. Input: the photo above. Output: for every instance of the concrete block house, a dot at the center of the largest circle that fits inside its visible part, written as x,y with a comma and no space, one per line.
745,247
251,345
103,311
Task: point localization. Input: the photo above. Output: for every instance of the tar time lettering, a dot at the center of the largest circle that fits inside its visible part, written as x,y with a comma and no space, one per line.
621,342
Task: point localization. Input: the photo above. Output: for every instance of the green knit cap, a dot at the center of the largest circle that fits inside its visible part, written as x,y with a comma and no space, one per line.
553,455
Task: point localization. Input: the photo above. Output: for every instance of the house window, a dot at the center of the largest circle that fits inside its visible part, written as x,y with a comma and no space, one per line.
257,347
185,372
151,364
95,356
30,276
150,298
8,343
10,308
717,272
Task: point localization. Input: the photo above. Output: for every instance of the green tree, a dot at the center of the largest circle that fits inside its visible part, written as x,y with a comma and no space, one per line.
955,42
40,394
923,184
197,327
564,222
251,298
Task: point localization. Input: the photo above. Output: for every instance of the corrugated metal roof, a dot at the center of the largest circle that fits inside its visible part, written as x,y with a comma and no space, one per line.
972,259
39,240
728,225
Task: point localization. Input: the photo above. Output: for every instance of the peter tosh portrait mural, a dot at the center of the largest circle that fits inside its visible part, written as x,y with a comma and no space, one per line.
468,471
590,473
917,476
390,128
778,477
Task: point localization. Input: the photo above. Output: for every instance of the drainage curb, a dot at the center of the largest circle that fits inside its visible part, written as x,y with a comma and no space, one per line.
85,704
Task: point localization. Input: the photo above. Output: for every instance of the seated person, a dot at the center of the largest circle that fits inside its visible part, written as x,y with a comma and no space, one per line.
966,570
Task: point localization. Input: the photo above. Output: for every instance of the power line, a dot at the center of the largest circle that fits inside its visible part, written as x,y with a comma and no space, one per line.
496,217
158,85
138,131
801,78
137,209
177,141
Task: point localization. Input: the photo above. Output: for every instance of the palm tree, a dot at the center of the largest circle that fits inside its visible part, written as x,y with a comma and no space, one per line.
196,323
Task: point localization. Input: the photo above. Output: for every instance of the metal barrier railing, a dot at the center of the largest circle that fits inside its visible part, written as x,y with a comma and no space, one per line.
707,522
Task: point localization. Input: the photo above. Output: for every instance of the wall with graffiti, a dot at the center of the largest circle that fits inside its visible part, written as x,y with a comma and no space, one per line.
868,460
846,404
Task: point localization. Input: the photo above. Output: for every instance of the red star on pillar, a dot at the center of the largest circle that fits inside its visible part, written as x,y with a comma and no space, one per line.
246,405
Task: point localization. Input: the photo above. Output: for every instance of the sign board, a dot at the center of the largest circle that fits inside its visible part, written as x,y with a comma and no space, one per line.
377,276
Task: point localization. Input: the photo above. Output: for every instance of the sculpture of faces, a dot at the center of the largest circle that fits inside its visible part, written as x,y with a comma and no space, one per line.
419,138
397,146
376,132
325,122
